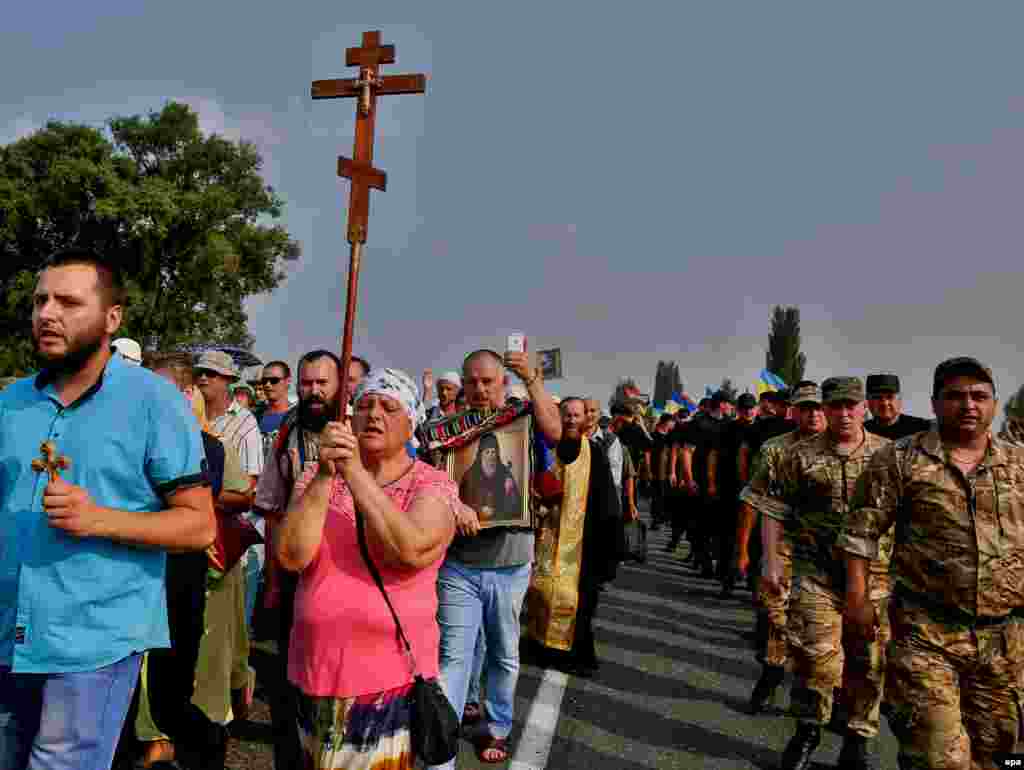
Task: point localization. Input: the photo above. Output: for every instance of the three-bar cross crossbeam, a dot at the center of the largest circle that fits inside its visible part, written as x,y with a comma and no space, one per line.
367,87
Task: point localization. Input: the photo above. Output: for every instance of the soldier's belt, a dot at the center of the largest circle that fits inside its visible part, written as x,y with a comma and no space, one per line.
952,616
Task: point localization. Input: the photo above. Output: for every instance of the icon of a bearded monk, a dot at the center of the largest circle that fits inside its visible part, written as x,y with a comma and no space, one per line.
489,486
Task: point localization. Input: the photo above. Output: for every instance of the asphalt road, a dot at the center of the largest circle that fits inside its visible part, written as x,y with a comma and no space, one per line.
673,686
671,692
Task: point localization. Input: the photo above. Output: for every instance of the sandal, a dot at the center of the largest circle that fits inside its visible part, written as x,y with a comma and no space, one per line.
472,714
487,742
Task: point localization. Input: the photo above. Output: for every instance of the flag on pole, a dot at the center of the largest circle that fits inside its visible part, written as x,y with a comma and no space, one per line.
687,402
680,402
769,381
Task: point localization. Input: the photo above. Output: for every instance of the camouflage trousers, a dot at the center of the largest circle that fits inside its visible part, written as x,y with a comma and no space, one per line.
775,608
956,694
815,631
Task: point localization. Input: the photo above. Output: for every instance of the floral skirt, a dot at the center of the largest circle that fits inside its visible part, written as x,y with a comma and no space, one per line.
367,732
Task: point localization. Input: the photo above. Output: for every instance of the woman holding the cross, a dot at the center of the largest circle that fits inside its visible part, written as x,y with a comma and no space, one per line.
345,656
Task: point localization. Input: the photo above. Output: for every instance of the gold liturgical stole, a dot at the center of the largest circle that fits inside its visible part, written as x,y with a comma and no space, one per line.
554,588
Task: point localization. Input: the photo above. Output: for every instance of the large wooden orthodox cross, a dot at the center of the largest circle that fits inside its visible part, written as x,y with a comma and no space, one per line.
359,169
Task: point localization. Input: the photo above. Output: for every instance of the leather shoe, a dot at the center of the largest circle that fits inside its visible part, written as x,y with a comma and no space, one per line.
801,746
854,754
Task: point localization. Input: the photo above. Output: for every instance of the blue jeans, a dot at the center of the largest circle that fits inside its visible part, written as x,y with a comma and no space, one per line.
479,653
253,579
471,598
64,721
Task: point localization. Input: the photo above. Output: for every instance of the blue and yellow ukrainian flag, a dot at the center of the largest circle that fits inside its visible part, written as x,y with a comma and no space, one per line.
768,381
680,402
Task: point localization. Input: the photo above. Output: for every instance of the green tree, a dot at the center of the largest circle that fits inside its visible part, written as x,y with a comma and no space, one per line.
729,388
784,358
186,215
666,381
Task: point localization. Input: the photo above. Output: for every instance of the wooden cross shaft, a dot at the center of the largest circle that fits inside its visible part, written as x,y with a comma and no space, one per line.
50,462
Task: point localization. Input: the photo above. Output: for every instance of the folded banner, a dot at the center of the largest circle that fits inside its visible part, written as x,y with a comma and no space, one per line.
464,428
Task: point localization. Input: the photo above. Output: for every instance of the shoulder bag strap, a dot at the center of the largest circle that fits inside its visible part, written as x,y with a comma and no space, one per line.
361,532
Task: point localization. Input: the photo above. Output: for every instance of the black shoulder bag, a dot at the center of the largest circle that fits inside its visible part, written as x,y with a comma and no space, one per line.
434,726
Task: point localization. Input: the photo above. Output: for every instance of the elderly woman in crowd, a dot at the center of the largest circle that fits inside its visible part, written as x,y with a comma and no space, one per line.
345,657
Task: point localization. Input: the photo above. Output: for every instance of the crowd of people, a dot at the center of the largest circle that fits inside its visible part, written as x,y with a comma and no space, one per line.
162,512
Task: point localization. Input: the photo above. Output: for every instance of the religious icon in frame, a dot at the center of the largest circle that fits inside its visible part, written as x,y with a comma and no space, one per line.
488,454
493,474
550,362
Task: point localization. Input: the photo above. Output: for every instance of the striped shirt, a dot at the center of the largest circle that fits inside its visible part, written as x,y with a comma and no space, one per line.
238,429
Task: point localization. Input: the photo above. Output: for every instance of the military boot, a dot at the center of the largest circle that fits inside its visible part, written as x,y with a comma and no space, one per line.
771,678
855,753
801,746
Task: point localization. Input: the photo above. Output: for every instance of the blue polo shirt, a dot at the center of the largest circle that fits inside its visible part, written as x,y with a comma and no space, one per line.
70,604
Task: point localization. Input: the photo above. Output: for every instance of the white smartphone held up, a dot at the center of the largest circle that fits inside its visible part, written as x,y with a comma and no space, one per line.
515,343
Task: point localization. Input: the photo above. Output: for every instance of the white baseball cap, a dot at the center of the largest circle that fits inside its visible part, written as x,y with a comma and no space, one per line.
130,350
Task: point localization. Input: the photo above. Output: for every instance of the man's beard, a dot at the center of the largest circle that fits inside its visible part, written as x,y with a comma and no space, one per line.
316,421
78,354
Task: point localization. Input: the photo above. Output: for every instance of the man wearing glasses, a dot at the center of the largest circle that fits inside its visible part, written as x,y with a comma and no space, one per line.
276,379
237,429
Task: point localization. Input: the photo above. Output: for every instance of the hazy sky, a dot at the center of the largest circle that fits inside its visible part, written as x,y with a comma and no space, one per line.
633,184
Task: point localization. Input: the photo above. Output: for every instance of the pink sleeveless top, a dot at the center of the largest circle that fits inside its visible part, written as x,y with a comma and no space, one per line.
343,641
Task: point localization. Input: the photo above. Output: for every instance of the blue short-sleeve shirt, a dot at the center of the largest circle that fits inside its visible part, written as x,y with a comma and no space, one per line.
70,604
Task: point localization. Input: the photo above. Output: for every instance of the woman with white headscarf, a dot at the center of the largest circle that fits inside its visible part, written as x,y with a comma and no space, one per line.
344,656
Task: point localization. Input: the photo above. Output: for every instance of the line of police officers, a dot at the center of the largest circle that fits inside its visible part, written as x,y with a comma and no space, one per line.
892,569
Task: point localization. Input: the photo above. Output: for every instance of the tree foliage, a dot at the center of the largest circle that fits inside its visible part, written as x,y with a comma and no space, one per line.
667,381
186,215
784,358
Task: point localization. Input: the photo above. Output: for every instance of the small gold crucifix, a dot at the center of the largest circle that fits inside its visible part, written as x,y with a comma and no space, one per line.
50,462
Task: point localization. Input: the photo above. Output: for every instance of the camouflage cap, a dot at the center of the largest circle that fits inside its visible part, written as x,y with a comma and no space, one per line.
807,394
882,383
842,389
958,367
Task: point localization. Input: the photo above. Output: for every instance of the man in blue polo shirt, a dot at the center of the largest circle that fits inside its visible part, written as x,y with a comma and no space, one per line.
82,550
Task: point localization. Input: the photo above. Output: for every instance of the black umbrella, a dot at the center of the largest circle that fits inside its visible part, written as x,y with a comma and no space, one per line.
243,358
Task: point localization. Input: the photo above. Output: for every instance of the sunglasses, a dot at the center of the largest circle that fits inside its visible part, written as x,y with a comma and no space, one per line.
270,380
205,373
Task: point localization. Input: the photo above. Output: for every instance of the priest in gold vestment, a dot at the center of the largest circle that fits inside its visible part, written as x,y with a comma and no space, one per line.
577,549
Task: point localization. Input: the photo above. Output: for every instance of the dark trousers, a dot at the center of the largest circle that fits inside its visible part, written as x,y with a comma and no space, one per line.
702,529
282,694
170,677
678,510
657,502
584,651
171,673
726,513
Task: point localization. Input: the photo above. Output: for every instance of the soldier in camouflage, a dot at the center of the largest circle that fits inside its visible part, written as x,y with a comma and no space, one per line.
810,500
955,495
774,606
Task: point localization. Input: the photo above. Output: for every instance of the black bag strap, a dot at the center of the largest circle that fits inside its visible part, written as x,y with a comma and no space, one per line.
361,532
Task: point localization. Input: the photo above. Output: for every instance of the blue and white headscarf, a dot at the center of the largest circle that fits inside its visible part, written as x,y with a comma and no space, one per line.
396,384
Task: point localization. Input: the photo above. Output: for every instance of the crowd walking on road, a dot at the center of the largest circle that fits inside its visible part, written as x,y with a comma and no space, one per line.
398,553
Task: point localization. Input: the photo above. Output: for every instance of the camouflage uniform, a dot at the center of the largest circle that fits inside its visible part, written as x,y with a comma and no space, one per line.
956,663
811,497
775,606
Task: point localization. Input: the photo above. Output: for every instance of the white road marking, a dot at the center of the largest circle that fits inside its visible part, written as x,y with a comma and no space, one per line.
541,723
